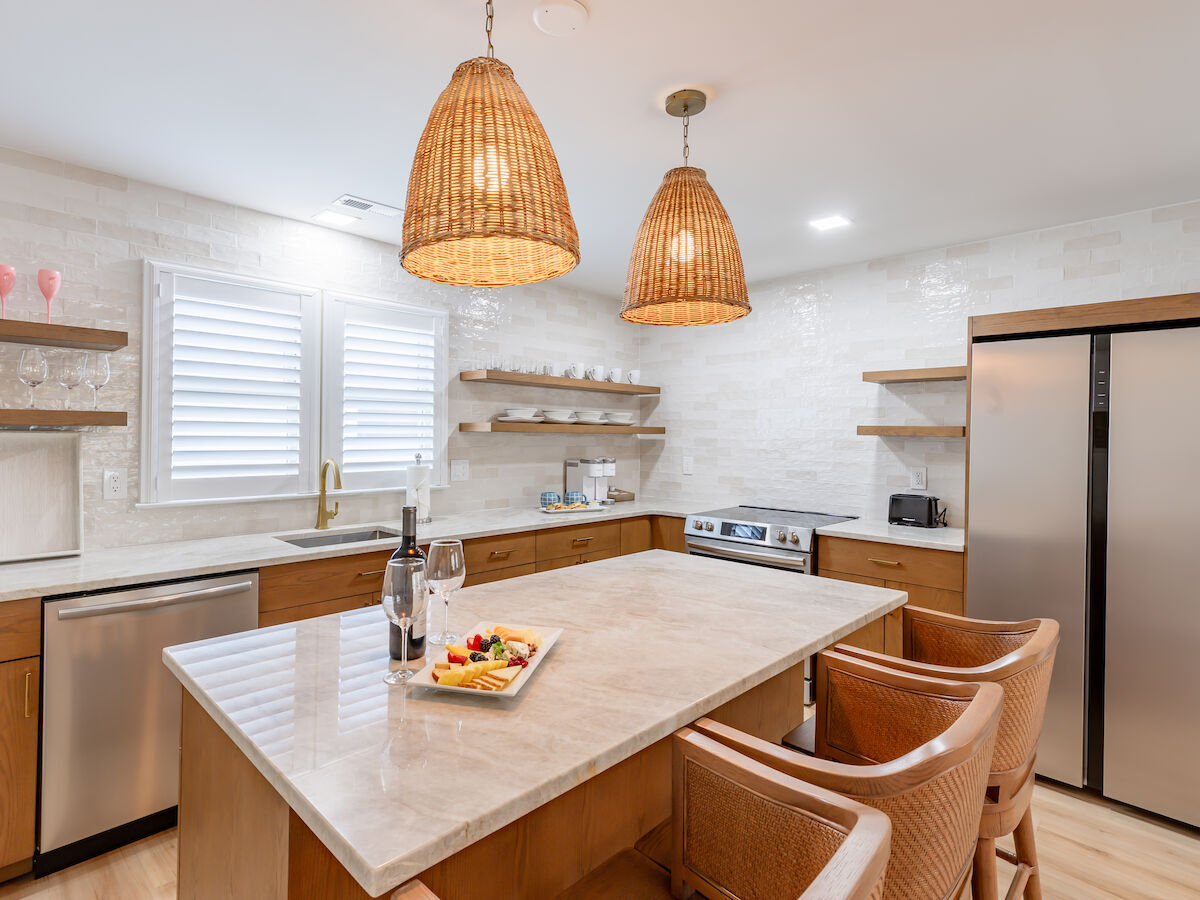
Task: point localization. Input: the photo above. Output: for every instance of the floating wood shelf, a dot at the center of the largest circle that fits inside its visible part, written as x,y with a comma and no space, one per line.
62,418
495,376
69,336
535,428
908,376
913,430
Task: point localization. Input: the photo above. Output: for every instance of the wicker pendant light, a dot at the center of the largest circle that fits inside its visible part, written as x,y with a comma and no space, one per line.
486,202
686,268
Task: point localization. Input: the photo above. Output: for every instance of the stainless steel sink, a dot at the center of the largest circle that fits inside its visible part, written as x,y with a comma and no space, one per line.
341,537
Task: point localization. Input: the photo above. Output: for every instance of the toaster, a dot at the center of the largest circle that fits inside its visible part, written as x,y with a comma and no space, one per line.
920,510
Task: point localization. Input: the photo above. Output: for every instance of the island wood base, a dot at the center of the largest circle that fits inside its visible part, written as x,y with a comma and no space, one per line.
238,838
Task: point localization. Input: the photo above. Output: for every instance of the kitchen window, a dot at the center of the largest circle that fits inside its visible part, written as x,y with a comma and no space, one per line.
248,384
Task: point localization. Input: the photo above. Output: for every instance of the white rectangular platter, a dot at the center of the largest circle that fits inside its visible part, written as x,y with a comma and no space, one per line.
591,508
424,678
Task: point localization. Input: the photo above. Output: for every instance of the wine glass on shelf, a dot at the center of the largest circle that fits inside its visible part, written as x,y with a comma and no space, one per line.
71,365
8,277
33,369
405,599
49,281
96,373
447,569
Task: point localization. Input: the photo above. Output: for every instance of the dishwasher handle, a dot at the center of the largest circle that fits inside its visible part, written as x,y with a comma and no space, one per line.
123,606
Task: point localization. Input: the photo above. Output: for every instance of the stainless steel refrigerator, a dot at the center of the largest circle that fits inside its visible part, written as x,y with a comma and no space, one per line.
1084,506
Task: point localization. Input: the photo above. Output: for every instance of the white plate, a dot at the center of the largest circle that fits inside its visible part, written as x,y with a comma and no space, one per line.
570,421
424,678
529,419
594,506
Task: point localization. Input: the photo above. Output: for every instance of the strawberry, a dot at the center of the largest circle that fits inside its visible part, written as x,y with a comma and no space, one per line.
473,643
455,658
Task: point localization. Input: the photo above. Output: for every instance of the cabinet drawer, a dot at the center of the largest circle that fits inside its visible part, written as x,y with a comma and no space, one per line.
545,565
298,584
503,551
322,608
597,555
892,562
20,628
578,539
499,574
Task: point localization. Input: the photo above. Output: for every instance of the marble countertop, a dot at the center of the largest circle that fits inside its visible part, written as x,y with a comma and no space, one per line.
393,780
952,539
140,563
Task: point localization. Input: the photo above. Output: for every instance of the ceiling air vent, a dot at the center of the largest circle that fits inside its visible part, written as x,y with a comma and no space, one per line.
360,205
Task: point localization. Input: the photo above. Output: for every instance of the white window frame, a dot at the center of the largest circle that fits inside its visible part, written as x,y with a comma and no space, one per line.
332,368
320,392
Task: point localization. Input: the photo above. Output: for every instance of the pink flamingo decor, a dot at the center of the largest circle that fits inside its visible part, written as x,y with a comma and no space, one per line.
49,281
8,277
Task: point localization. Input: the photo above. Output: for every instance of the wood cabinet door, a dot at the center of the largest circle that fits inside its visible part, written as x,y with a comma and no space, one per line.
636,535
668,533
871,636
19,686
20,628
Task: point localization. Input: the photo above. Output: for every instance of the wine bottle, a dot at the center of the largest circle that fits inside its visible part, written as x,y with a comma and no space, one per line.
408,548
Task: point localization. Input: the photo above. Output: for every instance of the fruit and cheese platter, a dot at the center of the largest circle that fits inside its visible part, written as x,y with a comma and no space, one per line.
491,661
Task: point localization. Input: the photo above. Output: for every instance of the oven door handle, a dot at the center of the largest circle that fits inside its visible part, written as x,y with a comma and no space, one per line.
800,565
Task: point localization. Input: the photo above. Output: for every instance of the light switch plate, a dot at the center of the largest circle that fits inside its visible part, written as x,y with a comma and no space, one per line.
687,465
918,478
460,469
114,486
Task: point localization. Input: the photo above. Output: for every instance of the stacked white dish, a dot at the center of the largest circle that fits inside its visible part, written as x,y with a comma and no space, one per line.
526,414
620,418
559,415
590,417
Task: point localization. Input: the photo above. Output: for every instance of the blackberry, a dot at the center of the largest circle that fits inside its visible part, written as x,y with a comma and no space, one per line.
476,656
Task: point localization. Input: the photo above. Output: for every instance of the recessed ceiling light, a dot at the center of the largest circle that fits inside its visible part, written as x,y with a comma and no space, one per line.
329,217
828,222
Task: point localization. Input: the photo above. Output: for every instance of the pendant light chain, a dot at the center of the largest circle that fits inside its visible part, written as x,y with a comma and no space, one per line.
686,120
491,13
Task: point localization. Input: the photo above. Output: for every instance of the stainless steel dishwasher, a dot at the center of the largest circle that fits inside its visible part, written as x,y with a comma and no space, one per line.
110,708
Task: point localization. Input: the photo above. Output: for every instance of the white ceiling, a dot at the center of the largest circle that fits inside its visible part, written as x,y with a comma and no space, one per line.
927,122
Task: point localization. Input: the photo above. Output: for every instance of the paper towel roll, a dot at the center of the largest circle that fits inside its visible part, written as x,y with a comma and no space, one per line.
419,479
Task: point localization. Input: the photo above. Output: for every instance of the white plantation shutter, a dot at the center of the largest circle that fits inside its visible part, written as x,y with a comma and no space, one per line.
235,381
383,396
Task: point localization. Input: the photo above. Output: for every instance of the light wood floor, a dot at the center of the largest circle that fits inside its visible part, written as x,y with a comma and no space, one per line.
1089,849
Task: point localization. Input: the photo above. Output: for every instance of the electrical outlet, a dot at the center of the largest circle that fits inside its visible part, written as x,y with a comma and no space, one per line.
687,465
918,478
114,484
460,469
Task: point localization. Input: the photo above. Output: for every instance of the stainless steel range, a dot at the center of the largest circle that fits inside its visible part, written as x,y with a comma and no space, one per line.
778,538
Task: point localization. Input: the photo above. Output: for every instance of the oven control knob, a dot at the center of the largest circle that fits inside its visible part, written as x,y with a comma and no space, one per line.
698,525
781,536
708,526
795,538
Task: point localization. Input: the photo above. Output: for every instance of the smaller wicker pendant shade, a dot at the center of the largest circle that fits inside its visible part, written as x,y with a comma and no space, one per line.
686,267
486,202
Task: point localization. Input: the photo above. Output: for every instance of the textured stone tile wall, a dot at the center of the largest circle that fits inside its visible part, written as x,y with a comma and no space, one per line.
97,228
768,406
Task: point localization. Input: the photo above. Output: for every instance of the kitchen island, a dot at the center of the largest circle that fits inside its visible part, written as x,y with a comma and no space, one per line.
303,775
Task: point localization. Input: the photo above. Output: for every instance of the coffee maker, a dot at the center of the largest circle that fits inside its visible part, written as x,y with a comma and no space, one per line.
589,476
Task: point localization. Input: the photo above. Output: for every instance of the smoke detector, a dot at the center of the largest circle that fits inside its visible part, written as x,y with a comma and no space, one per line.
560,18
359,205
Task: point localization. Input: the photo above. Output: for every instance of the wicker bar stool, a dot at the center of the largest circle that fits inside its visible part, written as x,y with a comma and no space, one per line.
1018,656
741,829
916,748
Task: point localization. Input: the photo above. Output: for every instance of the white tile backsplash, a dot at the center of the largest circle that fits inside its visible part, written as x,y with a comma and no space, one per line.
97,228
768,405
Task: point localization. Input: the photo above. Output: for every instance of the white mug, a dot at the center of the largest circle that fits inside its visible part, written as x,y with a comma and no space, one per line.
634,376
615,374
596,373
575,370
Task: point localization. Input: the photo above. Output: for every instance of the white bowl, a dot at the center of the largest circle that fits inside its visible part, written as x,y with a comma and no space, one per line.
522,412
627,418
590,413
558,413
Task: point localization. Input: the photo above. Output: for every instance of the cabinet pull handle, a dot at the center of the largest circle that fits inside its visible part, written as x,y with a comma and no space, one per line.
372,572
28,695
882,562
582,540
500,554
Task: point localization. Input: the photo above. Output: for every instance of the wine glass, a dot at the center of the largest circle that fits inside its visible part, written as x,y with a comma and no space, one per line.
405,599
70,371
33,369
49,281
8,277
96,374
447,568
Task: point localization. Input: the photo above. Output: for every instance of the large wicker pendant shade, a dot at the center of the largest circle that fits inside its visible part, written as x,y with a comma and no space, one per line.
486,202
686,267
